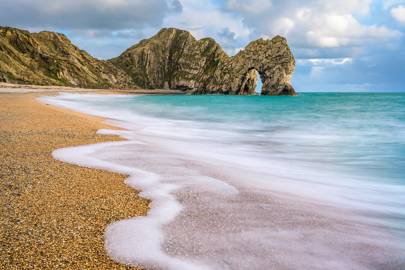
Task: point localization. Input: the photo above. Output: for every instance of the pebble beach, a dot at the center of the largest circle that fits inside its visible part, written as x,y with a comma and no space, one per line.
53,214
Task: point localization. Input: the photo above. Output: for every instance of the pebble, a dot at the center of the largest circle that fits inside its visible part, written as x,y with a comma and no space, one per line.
53,214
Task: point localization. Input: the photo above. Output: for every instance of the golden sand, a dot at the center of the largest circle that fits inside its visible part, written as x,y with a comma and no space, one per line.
52,214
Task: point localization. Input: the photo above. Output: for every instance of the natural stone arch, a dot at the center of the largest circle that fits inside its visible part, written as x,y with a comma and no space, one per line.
273,61
175,59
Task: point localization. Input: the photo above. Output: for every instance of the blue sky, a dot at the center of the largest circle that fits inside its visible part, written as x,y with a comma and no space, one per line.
339,45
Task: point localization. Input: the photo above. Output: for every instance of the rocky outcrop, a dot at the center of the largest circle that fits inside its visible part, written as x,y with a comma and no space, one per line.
172,59
49,58
175,59
271,59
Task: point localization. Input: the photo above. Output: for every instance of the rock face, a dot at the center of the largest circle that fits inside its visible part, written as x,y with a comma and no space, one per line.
175,59
271,59
48,58
172,59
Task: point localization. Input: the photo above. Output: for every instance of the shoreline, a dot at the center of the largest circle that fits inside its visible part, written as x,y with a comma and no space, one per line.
330,231
200,203
26,88
131,240
54,214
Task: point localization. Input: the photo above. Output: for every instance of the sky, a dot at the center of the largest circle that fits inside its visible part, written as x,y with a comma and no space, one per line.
339,45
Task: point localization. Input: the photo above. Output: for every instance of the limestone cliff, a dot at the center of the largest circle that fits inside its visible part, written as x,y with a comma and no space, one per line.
172,59
175,59
271,59
48,58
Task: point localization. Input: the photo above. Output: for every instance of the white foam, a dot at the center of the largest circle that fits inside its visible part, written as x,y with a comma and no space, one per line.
137,240
212,202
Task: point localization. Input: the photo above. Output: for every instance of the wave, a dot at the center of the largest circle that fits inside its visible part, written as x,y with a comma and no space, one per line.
220,202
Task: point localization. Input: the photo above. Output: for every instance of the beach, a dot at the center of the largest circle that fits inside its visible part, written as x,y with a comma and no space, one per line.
53,215
202,135
235,187
216,192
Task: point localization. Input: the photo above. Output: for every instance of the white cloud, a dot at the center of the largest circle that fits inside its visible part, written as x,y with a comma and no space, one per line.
325,61
86,14
316,23
398,13
318,66
314,28
205,18
283,26
336,30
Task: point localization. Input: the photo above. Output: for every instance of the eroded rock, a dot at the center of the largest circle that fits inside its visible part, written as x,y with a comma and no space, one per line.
175,59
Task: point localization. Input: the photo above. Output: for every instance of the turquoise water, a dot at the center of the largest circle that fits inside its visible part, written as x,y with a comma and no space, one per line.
359,132
348,146
315,181
357,136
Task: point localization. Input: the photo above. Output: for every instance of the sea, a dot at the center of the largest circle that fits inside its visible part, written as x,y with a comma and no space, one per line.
314,181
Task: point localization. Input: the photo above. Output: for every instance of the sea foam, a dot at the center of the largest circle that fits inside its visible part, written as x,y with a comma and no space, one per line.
218,204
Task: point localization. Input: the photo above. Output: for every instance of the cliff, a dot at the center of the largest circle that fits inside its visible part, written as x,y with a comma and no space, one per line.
48,58
172,59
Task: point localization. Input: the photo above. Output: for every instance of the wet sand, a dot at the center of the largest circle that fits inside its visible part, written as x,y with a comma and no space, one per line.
53,214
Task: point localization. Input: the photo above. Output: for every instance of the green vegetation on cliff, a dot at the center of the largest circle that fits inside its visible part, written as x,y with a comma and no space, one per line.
48,58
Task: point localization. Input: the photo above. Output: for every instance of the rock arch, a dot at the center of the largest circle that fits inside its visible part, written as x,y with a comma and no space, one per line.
175,59
272,59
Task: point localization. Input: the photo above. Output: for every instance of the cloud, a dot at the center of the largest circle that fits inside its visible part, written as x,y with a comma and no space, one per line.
338,30
102,27
325,61
312,24
398,13
207,19
314,29
283,26
86,14
315,23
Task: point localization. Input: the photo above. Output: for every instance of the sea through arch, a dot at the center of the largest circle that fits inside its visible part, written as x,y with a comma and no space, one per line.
259,83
